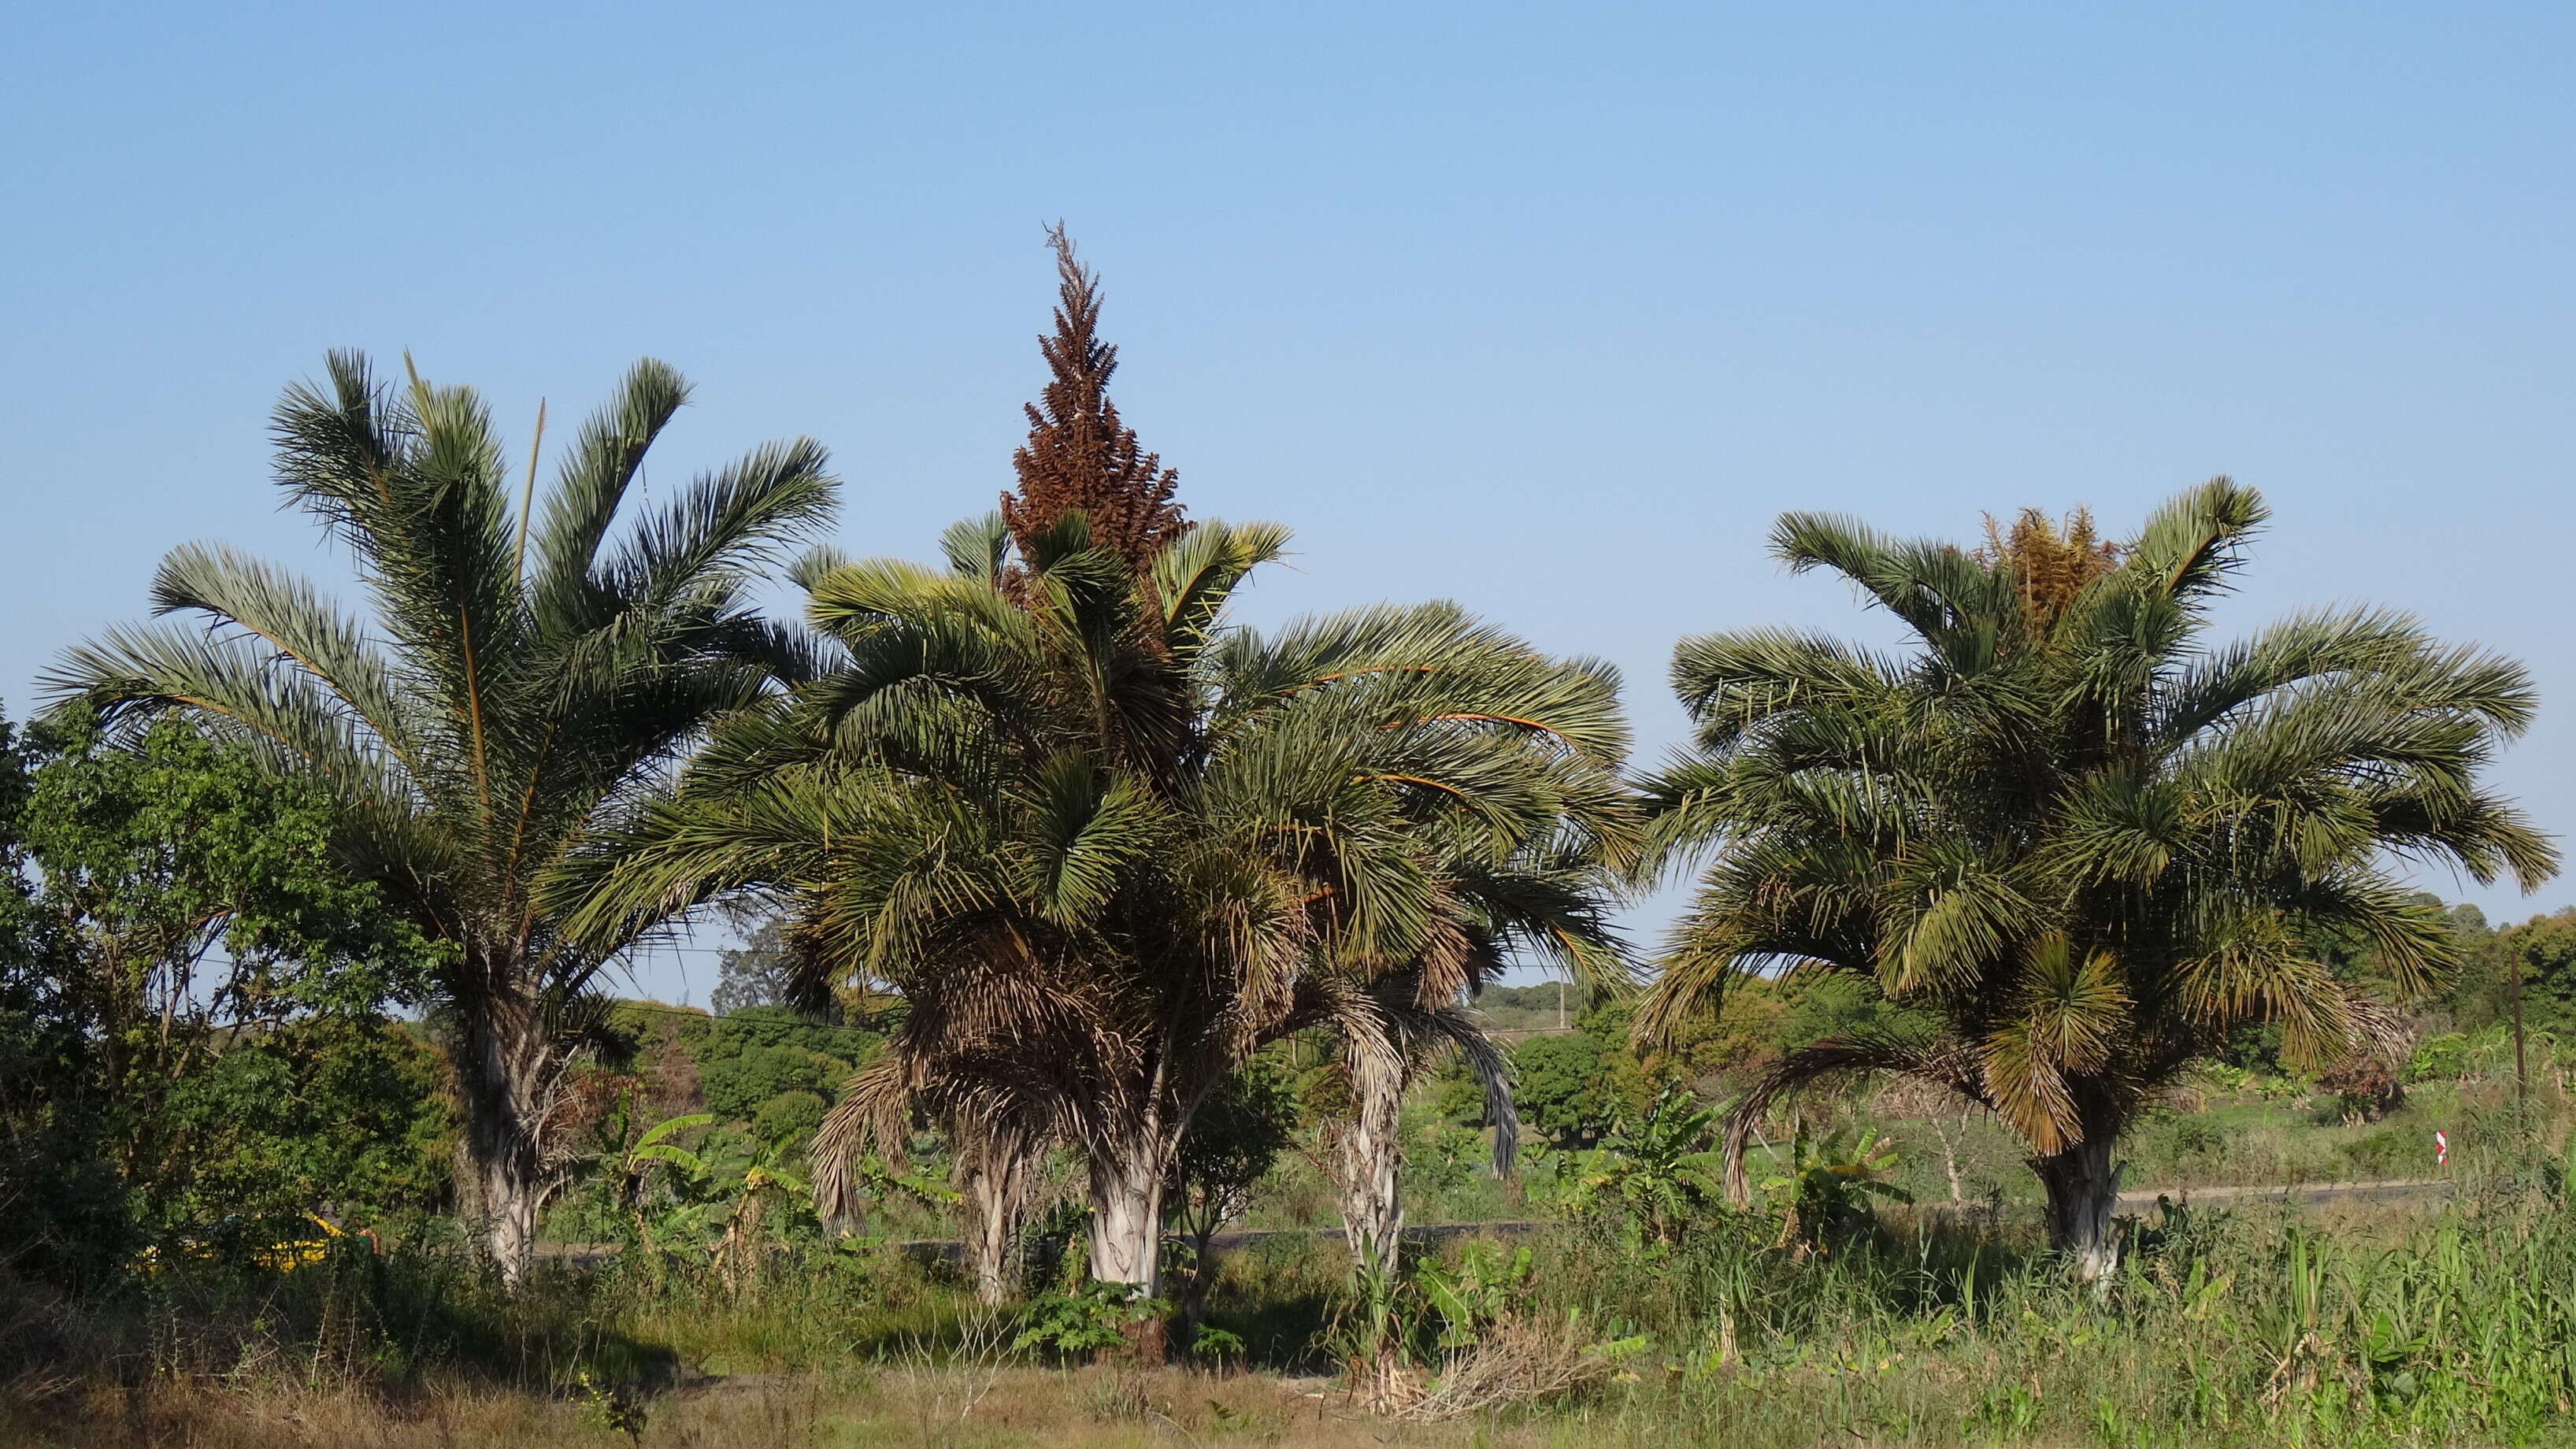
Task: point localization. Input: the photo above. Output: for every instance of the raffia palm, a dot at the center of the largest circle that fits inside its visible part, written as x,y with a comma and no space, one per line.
1102,843
517,684
2066,828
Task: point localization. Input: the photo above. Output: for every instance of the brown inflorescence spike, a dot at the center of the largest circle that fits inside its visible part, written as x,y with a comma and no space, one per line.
1079,455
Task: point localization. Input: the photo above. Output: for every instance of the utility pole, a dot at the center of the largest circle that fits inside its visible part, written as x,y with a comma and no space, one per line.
1560,1010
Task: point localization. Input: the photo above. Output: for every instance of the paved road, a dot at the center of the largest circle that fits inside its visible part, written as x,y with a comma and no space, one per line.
2389,1189
2139,1200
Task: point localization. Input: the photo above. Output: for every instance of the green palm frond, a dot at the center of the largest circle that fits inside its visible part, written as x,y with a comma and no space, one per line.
2064,825
1084,824
488,720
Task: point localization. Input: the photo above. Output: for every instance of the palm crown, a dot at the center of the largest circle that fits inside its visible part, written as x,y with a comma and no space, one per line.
1104,846
520,680
1103,843
2085,843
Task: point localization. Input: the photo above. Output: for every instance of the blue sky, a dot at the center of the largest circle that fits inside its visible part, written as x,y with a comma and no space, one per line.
1548,309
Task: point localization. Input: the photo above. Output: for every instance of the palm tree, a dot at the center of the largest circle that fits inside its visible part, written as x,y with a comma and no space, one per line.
1085,944
2081,841
1103,843
519,680
1388,1039
995,1156
1540,902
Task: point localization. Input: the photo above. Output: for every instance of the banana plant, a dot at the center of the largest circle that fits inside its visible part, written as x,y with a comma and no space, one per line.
742,1182
654,1148
1481,1289
760,1182
1825,1194
1659,1168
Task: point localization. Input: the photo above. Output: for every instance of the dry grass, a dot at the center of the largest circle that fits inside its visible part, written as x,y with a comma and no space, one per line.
950,1407
1522,1359
2394,1324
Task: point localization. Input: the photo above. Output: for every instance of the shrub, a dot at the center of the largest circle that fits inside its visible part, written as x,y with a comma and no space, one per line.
1562,1086
2441,1058
789,1119
1087,1319
736,1086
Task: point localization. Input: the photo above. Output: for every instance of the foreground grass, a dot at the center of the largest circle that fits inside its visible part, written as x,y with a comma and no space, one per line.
929,1406
1905,1400
2365,1324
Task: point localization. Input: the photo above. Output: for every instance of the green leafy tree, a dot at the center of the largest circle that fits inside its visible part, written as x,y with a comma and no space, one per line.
735,1086
62,1208
754,1054
1103,842
788,1120
751,1027
2542,952
1459,1095
1237,1133
225,980
1563,1088
340,1114
755,974
525,676
2080,843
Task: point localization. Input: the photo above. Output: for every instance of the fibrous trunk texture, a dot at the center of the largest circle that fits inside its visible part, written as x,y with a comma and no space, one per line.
505,1068
2083,1192
1366,1159
997,1196
1127,1213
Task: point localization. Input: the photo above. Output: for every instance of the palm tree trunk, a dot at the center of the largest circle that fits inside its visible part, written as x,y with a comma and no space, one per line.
1949,1155
1127,1229
992,1249
1126,1232
505,1068
997,1198
1366,1159
2083,1191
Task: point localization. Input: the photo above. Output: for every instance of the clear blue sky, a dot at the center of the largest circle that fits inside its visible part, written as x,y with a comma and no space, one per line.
1546,309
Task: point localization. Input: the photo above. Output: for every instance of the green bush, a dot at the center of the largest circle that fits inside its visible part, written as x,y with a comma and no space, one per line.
1563,1088
779,1026
1440,1158
1084,1320
2440,1058
2396,1149
789,1119
736,1086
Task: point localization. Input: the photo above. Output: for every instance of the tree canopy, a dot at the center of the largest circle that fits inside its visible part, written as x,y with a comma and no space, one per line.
526,669
2084,841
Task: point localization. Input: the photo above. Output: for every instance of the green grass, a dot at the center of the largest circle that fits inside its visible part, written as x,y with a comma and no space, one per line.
2432,1320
